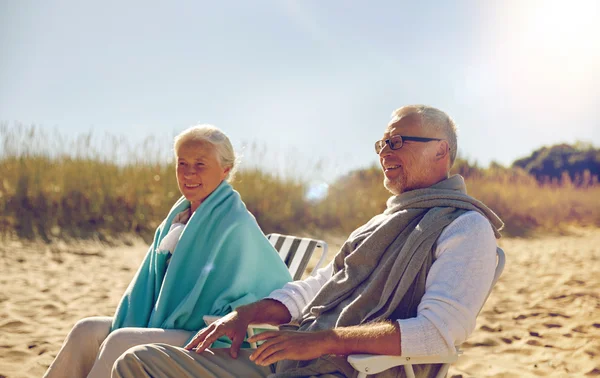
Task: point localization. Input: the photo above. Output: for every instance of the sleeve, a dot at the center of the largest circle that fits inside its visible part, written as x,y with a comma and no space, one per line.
456,288
296,295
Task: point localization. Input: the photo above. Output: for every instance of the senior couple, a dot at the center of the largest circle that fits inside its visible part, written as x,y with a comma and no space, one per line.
410,282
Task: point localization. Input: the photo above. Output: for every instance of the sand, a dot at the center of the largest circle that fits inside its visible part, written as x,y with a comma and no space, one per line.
542,319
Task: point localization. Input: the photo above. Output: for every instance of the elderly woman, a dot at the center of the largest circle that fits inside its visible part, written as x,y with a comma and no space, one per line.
208,257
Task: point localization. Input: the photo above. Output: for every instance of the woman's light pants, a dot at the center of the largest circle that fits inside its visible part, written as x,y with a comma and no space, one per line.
90,350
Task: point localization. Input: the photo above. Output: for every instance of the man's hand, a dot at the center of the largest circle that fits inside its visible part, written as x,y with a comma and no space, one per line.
373,338
232,325
235,324
291,345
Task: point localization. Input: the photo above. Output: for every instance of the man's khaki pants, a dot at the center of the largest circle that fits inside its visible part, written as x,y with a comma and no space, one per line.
162,361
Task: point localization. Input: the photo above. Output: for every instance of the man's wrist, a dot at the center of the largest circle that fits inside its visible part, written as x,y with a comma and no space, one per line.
247,311
265,311
333,342
376,338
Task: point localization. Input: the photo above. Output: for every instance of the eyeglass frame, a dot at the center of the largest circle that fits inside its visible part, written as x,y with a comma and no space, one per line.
403,138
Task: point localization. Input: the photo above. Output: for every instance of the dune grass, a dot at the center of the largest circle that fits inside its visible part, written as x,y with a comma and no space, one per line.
54,187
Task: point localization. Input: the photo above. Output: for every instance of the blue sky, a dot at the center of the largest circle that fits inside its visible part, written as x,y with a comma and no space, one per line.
311,83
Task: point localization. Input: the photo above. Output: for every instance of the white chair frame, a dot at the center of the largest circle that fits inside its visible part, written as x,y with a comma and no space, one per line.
367,364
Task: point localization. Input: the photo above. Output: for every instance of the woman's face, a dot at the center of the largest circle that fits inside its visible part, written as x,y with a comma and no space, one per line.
199,171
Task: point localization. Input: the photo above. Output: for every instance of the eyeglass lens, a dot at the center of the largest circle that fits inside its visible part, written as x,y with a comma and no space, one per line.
395,143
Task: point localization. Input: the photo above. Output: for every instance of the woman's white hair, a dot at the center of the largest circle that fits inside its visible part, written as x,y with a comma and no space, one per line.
436,119
214,136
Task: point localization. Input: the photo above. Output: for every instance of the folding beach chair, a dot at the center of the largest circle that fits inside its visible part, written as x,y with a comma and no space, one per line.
367,364
295,253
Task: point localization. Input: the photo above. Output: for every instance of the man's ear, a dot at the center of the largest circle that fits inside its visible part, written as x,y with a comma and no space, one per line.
443,150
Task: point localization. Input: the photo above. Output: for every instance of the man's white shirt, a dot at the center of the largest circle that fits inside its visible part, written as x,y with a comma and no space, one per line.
455,289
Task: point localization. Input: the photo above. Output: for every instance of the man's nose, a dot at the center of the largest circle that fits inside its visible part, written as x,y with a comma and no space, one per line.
385,151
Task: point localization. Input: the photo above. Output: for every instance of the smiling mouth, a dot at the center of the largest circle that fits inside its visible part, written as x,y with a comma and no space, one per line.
392,167
192,186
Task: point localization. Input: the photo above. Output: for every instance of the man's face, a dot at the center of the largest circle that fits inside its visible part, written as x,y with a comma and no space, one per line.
411,166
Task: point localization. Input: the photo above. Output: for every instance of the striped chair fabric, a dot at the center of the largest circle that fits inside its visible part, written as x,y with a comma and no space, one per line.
296,252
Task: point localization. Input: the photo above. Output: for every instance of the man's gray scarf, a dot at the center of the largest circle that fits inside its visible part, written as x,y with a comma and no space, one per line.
380,271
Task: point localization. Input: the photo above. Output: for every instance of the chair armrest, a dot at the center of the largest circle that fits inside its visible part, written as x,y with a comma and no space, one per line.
373,363
209,319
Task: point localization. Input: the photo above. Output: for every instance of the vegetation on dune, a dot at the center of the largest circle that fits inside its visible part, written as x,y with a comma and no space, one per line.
524,204
52,188
579,163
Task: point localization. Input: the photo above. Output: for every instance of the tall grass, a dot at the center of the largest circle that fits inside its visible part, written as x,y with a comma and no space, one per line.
89,187
525,206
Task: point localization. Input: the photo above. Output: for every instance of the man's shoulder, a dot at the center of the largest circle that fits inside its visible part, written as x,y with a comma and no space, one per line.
468,235
471,224
471,218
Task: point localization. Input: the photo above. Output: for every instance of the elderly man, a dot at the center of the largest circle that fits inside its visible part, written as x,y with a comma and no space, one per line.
409,282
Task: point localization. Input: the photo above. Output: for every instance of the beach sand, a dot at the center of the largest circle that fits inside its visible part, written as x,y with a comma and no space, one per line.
542,319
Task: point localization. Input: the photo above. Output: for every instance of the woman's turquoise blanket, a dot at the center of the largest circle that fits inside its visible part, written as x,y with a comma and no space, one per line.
222,261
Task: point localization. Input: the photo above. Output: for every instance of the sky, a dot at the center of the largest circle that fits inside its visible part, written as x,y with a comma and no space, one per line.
304,87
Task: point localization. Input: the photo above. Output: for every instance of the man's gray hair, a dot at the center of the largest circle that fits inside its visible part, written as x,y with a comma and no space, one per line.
436,119
214,136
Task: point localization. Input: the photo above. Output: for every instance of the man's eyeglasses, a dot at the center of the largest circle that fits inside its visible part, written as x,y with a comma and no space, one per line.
396,141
